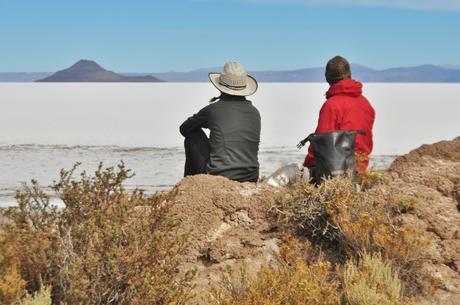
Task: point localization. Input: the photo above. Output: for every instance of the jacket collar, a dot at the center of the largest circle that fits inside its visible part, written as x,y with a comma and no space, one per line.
347,87
227,97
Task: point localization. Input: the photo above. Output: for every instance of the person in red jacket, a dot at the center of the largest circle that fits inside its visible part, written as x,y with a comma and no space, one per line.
345,109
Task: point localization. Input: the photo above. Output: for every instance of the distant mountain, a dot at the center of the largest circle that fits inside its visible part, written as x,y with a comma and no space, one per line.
420,74
199,75
455,67
90,71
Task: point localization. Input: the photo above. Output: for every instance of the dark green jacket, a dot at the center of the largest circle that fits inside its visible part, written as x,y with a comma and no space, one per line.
234,125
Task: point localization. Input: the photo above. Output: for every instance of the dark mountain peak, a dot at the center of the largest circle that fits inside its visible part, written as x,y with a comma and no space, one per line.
86,63
89,71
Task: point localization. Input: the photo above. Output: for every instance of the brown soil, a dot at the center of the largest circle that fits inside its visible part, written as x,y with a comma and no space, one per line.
227,223
444,150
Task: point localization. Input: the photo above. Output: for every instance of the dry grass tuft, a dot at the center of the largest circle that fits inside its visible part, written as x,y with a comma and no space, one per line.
41,297
371,282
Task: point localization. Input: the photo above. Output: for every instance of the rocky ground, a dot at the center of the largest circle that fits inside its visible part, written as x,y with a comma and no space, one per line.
230,225
431,176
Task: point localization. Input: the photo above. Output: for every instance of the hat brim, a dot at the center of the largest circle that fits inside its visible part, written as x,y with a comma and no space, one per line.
251,85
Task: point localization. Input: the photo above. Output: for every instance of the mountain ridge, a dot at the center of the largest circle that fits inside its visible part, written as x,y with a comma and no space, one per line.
90,71
424,74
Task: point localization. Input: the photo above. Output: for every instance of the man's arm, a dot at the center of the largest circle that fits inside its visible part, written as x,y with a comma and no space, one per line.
195,122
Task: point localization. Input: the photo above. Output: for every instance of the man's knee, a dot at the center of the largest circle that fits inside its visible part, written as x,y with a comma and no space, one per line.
196,138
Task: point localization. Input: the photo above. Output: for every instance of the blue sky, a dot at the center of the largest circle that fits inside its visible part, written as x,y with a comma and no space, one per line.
181,35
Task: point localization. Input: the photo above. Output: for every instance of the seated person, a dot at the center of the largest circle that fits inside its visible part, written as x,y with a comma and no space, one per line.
234,123
345,109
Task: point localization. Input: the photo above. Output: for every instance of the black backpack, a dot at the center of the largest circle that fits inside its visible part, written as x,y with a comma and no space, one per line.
334,153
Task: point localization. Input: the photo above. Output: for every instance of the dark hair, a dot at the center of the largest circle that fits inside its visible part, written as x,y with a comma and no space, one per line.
337,69
224,95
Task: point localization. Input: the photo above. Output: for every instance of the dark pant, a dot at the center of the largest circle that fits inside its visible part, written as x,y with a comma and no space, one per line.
196,153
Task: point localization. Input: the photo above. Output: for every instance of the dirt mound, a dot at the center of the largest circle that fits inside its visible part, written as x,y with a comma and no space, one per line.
444,150
227,223
431,176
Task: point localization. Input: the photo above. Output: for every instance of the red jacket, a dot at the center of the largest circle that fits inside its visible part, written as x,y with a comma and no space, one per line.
346,109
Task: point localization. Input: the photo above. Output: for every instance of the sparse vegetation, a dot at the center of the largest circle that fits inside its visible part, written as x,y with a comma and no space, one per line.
349,223
371,281
292,282
41,297
11,283
110,246
371,178
105,246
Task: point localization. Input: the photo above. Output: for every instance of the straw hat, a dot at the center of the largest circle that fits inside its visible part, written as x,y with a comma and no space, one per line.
234,80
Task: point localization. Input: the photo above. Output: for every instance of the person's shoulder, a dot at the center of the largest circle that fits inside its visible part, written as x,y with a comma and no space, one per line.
209,107
332,102
364,100
367,104
251,105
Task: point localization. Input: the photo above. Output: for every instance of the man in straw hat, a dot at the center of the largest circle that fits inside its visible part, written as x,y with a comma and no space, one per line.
234,125
345,109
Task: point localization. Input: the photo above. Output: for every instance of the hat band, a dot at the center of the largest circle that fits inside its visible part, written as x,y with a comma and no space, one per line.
236,88
234,83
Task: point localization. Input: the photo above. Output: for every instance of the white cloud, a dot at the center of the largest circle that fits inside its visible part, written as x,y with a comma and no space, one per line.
444,5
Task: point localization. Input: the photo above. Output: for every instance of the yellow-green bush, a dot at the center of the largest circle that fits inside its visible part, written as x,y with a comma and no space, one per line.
368,280
371,281
371,178
41,297
337,216
292,283
106,246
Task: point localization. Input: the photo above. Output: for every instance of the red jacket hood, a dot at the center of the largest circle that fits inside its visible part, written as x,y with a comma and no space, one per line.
348,87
